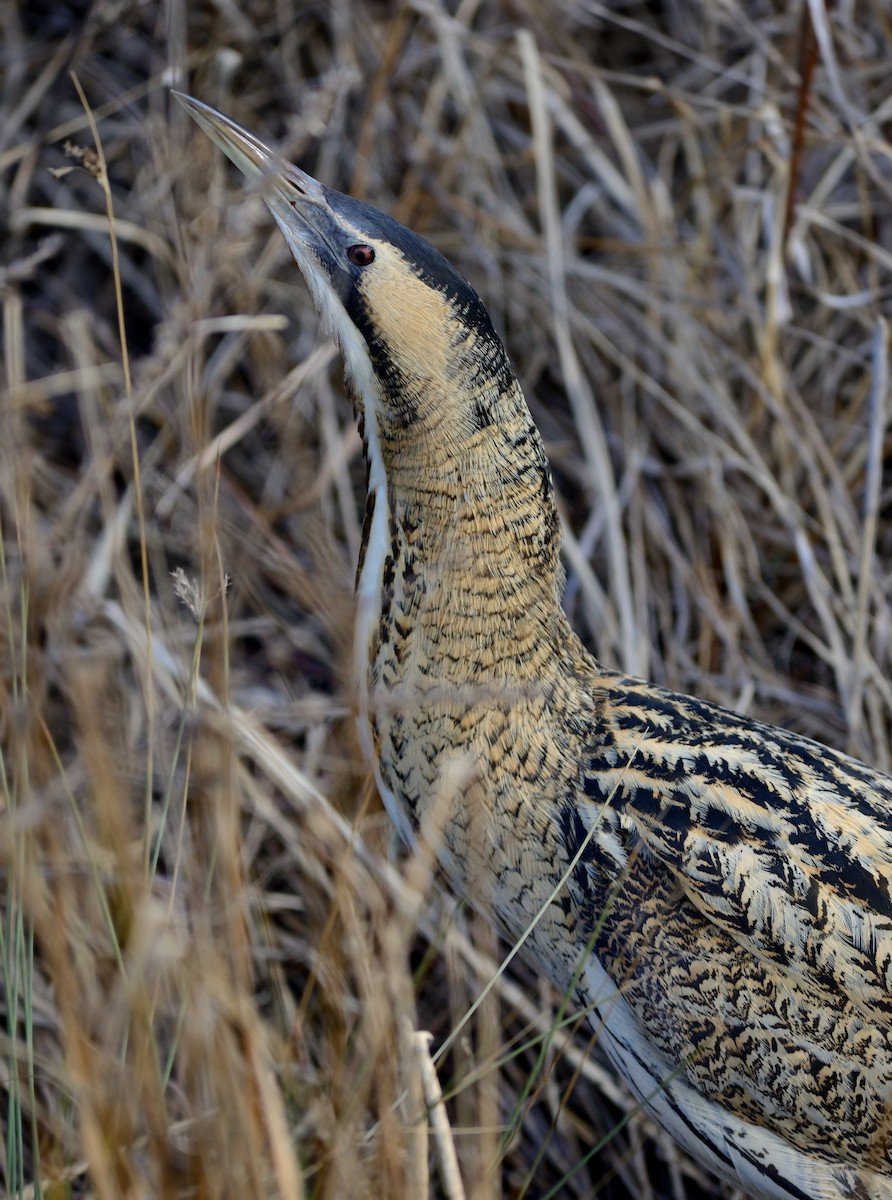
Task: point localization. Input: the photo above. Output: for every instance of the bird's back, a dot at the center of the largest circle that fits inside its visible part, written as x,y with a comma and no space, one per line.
734,882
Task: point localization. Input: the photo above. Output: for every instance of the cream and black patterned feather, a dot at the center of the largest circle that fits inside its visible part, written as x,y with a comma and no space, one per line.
725,910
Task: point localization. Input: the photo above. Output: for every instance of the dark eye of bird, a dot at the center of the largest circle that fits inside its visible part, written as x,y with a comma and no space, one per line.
361,255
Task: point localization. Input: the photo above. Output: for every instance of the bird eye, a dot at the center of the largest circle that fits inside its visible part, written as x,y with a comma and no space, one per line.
361,255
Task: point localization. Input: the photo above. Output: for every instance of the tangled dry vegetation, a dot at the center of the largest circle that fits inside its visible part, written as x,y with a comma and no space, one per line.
678,215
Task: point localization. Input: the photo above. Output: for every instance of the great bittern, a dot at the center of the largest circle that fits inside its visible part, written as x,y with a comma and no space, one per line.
715,891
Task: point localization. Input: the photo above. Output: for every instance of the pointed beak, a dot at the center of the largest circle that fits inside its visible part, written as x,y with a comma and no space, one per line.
296,200
253,158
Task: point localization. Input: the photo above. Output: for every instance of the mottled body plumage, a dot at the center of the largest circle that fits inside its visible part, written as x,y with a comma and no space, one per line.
725,914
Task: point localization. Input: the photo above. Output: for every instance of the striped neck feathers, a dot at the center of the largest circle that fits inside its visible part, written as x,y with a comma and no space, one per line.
448,436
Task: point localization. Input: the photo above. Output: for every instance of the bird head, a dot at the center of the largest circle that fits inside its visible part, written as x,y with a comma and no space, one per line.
418,344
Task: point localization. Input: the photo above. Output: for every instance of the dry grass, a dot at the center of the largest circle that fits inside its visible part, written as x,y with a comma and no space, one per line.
210,983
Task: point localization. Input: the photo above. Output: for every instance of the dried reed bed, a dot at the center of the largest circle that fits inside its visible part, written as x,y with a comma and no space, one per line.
211,982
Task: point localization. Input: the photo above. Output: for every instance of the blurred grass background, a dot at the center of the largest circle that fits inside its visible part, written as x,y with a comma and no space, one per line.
678,215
